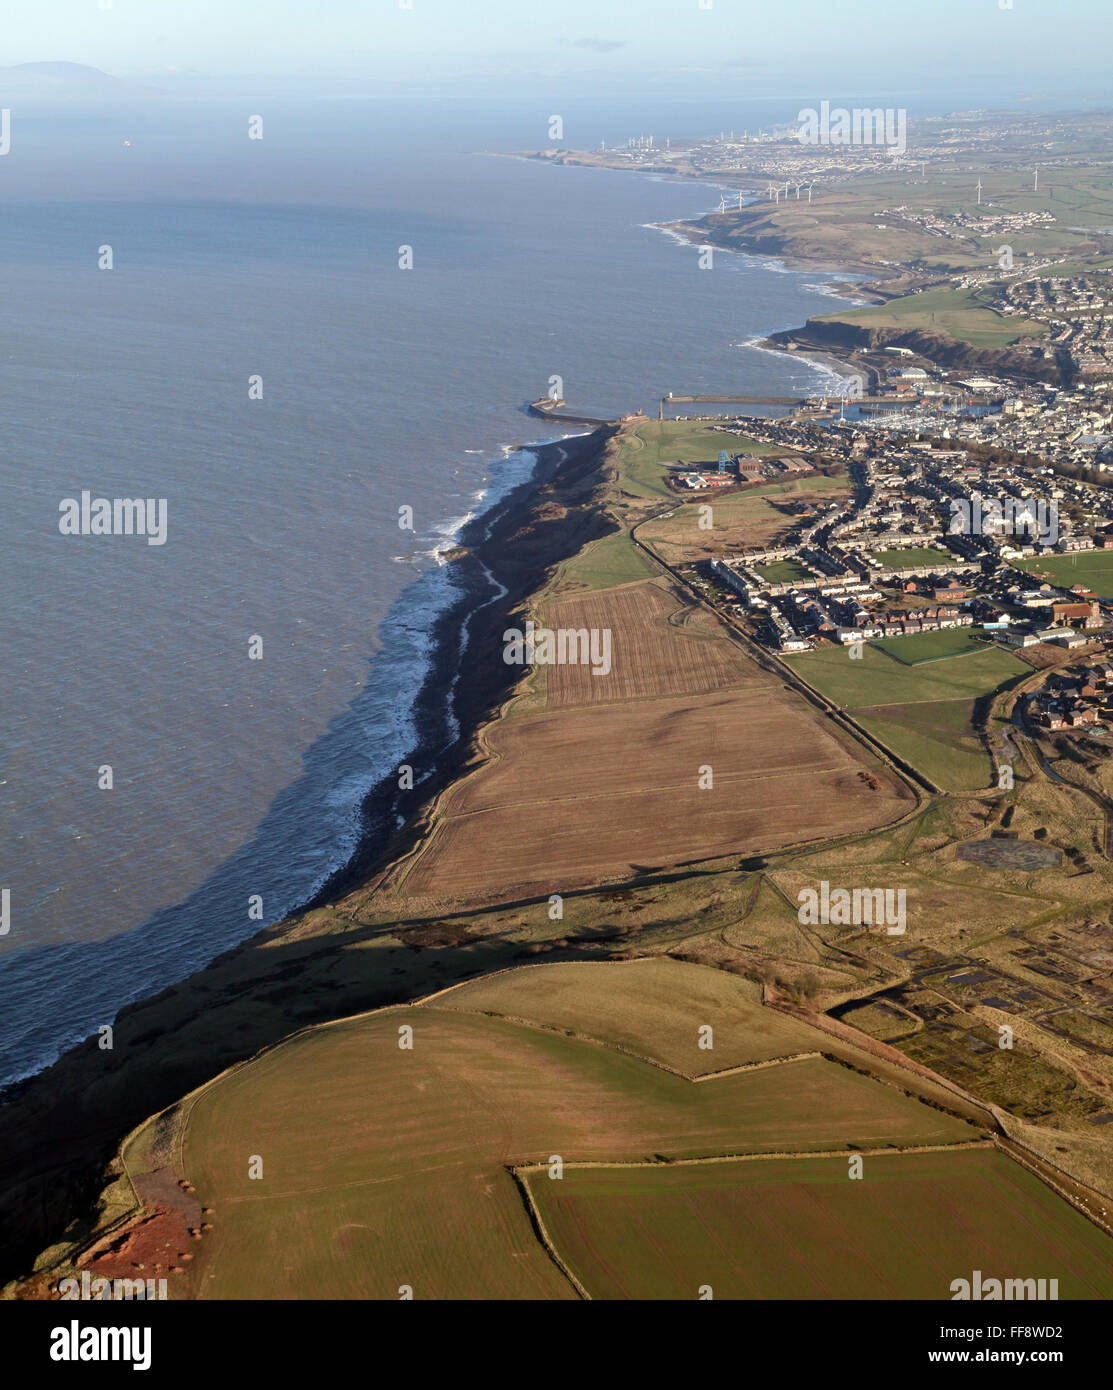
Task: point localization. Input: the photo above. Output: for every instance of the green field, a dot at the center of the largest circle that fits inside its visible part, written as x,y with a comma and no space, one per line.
604,563
383,1166
933,646
783,572
802,1229
936,738
913,557
634,1005
961,314
1099,265
644,450
1094,568
918,703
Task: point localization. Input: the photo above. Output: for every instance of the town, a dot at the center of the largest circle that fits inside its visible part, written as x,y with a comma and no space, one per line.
933,536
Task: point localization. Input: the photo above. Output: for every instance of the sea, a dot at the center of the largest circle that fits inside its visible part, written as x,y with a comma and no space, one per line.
224,325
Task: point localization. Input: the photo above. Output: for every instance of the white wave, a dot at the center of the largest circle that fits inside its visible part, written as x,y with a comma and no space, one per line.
827,288
665,230
816,369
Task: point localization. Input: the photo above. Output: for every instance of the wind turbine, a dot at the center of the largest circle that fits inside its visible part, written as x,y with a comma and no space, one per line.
723,203
739,200
810,187
979,192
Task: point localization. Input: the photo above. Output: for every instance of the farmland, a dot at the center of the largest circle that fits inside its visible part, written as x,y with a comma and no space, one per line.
937,738
646,1007
345,1164
797,1228
660,647
843,228
315,1236
397,1168
640,457
878,674
916,702
579,802
1094,568
570,787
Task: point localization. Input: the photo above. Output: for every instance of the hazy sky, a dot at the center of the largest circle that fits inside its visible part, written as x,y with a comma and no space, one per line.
909,41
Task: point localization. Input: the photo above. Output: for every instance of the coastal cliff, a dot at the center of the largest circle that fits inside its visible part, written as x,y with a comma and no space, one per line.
950,353
60,1129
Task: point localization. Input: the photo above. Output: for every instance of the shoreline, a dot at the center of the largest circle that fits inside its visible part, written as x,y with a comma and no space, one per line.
448,715
696,235
823,344
386,811
825,361
60,1128
840,341
371,820
438,751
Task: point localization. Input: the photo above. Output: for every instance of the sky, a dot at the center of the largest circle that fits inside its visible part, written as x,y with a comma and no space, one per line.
1053,44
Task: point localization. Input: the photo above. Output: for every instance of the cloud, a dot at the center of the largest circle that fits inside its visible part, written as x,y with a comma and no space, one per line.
599,45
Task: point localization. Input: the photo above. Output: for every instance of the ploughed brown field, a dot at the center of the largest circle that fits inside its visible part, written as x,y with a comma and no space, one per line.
595,790
659,646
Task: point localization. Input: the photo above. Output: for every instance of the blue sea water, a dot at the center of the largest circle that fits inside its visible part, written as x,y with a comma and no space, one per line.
383,388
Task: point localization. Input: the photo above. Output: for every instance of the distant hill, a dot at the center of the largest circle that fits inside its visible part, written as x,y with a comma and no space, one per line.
63,80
